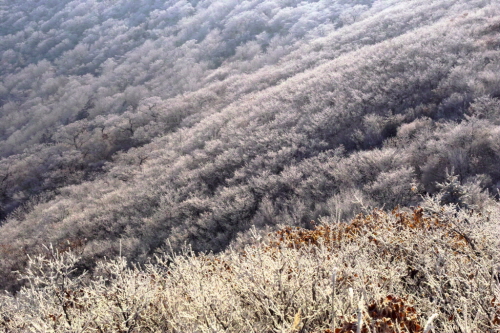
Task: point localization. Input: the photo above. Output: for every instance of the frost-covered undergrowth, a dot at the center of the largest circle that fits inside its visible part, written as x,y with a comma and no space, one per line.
427,269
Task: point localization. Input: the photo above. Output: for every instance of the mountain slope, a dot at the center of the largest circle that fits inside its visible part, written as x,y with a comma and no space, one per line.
374,107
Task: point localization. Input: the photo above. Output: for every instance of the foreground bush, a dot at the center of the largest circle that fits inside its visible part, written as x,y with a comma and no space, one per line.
402,271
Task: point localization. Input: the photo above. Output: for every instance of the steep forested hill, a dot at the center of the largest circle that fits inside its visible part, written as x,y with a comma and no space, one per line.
125,124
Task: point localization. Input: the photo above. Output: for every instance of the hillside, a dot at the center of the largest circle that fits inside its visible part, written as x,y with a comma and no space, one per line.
128,124
430,270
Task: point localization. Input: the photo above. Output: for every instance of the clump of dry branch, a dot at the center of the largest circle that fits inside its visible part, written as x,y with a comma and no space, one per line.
383,272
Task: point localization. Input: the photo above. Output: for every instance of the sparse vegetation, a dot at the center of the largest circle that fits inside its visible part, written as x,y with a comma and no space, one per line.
384,272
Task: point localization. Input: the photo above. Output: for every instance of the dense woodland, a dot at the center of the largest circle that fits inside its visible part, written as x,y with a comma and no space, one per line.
128,125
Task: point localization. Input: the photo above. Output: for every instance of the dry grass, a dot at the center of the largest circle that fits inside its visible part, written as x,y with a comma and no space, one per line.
384,272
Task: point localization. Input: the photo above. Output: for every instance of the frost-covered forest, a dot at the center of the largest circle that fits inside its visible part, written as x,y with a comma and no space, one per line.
126,125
